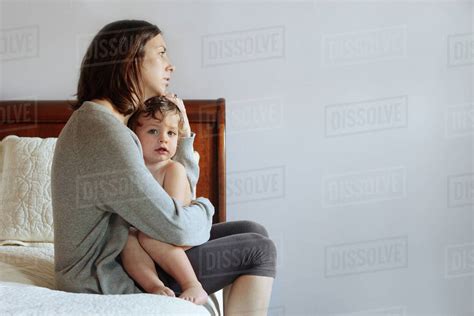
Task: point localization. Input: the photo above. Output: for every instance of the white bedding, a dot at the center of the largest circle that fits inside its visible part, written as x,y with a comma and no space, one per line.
27,287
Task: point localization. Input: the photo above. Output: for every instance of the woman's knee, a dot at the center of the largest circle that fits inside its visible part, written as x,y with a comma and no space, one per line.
270,251
254,227
263,254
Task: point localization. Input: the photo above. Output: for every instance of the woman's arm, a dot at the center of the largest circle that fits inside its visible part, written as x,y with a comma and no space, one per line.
185,156
115,179
185,151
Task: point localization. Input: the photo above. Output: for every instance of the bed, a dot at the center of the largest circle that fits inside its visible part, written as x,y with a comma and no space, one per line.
26,250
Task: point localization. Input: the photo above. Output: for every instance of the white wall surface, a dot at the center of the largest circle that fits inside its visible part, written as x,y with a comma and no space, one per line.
349,136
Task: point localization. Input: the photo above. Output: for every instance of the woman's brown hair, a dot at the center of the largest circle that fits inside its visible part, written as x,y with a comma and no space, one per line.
111,67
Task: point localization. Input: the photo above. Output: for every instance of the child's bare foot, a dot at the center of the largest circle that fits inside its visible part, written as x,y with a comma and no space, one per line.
194,293
162,290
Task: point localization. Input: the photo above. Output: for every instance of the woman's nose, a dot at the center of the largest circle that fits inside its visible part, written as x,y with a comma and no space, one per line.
170,67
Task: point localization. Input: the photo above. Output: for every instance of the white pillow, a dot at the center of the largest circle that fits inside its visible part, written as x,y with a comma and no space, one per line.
25,189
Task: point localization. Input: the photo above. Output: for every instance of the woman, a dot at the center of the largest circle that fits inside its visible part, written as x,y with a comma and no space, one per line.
101,186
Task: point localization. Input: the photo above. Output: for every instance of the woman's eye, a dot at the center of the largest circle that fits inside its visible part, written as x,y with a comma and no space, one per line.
162,53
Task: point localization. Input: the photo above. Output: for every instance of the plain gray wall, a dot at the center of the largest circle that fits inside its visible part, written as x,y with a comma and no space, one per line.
349,132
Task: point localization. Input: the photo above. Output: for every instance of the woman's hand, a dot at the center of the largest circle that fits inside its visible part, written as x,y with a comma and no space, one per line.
180,104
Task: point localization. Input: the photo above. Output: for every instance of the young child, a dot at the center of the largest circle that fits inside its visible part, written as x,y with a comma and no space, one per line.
158,128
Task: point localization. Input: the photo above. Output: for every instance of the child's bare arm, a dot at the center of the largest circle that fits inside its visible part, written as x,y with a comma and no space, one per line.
176,183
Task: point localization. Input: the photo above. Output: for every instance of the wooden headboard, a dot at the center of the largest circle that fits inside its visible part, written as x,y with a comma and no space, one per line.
46,118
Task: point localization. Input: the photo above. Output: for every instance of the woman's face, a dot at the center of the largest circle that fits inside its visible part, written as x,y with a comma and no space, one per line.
156,68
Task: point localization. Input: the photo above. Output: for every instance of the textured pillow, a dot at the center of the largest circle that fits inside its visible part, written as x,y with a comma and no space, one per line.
25,189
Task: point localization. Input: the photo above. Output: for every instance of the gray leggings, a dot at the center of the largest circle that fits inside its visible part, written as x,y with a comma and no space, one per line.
234,249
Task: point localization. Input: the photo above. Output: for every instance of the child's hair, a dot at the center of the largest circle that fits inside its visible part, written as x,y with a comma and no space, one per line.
152,106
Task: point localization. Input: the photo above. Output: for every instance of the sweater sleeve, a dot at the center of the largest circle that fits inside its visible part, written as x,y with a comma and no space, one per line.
185,156
115,179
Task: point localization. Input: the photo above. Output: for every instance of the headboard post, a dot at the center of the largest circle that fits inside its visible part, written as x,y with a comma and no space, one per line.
221,159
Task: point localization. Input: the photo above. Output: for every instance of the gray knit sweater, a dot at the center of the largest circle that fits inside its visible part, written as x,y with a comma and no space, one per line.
100,186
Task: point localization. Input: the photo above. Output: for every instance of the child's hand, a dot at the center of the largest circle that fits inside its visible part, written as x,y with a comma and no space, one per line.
180,104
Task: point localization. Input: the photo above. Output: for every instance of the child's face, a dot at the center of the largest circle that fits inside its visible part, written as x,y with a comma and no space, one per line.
159,137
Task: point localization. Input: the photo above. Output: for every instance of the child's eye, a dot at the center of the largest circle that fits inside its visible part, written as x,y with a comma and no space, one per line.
153,131
171,133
